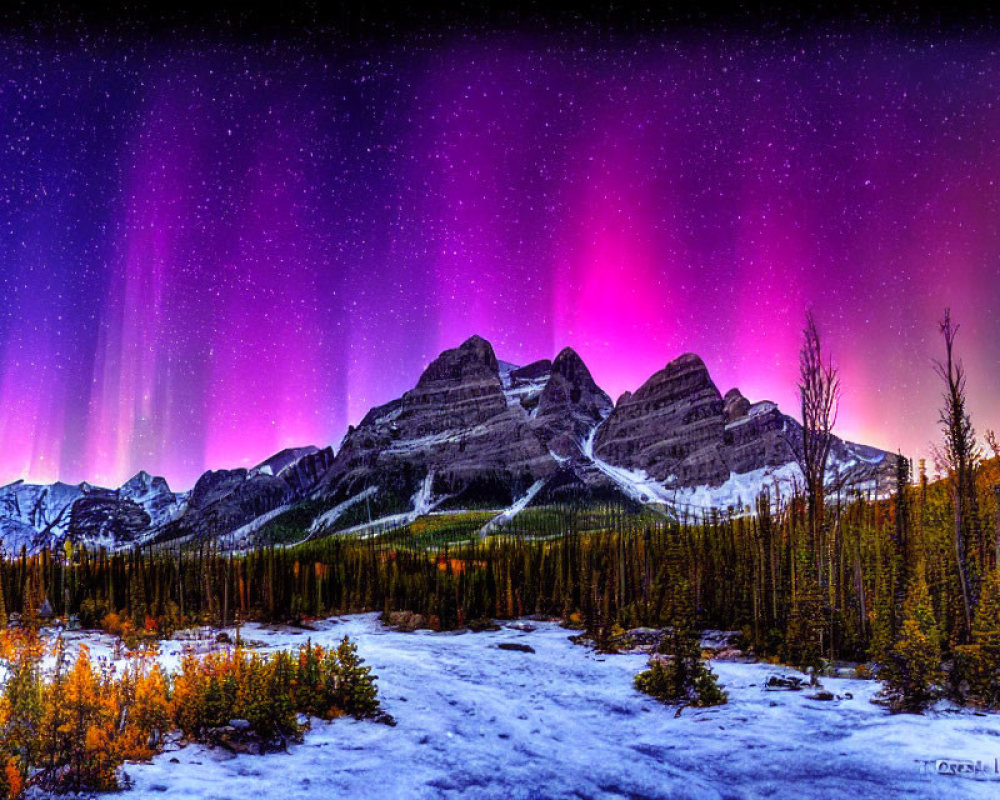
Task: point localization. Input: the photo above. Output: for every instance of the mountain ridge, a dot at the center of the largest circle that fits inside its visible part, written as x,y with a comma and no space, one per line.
473,432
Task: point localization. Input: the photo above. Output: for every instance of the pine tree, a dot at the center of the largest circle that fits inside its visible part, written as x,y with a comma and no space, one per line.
960,456
677,676
187,700
54,712
149,714
3,604
21,710
803,637
913,673
33,598
356,693
11,779
882,634
979,662
82,743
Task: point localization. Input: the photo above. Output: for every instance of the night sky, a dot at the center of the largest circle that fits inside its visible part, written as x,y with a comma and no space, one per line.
214,246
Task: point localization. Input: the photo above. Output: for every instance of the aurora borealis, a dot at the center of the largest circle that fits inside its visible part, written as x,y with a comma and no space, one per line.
214,248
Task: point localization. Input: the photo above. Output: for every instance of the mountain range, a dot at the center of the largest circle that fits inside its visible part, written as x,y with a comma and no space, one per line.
474,433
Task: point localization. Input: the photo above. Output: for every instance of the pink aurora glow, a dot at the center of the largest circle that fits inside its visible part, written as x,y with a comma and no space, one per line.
272,245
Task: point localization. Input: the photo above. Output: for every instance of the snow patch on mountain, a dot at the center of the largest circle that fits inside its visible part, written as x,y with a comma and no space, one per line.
558,458
328,518
15,535
423,502
634,483
525,391
43,509
154,496
514,509
504,368
38,516
242,535
431,440
761,407
521,392
739,494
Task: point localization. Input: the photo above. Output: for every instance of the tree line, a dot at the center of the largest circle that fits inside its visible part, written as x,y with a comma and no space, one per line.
816,578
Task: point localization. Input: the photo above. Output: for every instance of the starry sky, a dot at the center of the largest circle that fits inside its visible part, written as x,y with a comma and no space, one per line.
213,247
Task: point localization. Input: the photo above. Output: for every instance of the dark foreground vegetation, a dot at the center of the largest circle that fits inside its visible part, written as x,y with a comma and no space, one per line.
71,729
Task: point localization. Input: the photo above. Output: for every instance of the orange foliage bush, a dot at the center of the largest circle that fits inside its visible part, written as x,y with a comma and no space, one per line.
71,731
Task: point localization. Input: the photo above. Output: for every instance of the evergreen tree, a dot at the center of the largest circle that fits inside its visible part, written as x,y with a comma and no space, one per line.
913,673
803,645
677,675
3,604
21,709
979,662
355,691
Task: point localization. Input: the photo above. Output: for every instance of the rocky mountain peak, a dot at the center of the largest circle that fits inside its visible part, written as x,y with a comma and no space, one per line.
285,458
689,366
461,387
214,485
142,482
735,405
569,364
684,378
473,358
671,427
570,405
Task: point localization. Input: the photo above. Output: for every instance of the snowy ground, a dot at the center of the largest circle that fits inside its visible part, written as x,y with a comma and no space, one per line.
563,722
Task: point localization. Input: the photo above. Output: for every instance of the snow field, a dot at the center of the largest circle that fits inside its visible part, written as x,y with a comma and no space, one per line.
475,721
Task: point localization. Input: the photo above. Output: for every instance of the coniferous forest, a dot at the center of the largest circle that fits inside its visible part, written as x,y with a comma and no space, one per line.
881,579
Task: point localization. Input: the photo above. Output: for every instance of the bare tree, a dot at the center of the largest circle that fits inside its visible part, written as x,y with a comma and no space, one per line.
994,444
991,440
959,457
819,392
